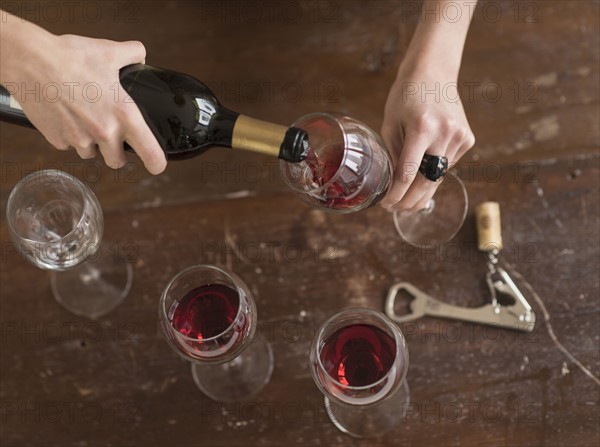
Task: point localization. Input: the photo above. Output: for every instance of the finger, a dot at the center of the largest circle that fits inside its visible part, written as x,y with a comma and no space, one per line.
87,152
407,168
393,143
419,188
423,202
113,154
58,143
142,140
467,145
454,146
131,52
422,186
392,137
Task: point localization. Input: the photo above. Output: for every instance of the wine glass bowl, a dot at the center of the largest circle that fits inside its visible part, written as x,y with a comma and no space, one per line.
56,223
359,360
439,222
348,167
54,220
359,357
208,316
215,339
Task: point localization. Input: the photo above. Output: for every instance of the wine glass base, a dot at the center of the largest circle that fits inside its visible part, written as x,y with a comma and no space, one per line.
94,287
239,379
370,421
439,222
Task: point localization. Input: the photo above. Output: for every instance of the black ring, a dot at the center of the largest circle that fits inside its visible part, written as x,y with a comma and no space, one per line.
433,167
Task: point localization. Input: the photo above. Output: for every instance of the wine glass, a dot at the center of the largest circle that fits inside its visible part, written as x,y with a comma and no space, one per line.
56,223
359,360
349,169
440,220
208,316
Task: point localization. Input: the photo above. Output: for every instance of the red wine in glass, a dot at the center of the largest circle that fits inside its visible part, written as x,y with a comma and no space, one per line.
358,355
208,316
207,322
359,360
347,168
206,311
348,189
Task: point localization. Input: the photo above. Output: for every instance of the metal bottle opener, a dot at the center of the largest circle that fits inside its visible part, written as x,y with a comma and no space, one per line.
517,315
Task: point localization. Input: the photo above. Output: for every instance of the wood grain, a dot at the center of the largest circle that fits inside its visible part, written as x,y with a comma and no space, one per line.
68,381
470,385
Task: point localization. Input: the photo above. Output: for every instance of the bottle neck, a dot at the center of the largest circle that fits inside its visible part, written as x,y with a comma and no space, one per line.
258,136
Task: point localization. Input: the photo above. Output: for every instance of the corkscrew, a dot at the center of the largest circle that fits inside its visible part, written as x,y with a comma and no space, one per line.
508,307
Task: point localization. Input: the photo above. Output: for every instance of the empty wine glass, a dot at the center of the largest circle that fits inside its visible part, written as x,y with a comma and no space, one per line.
440,220
359,360
209,318
56,222
349,169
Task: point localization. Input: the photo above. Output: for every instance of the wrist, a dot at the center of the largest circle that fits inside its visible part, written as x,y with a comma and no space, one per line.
423,67
433,53
437,44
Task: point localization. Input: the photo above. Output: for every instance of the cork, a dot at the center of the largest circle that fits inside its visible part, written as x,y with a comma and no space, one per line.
489,230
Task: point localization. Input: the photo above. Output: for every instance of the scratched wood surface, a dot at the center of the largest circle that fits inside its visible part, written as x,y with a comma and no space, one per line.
470,385
70,381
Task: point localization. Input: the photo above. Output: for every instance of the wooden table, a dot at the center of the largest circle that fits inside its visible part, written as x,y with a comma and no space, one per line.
70,381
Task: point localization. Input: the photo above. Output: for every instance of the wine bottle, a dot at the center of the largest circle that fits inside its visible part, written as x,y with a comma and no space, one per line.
187,118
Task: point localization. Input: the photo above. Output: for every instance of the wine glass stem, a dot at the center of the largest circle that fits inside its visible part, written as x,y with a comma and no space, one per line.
428,207
93,287
371,421
239,379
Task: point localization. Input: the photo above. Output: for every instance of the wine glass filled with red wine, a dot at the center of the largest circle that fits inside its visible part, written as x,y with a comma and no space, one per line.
56,222
348,169
359,360
209,318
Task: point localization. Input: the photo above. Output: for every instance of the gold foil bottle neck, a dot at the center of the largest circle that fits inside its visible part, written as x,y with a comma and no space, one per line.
258,136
